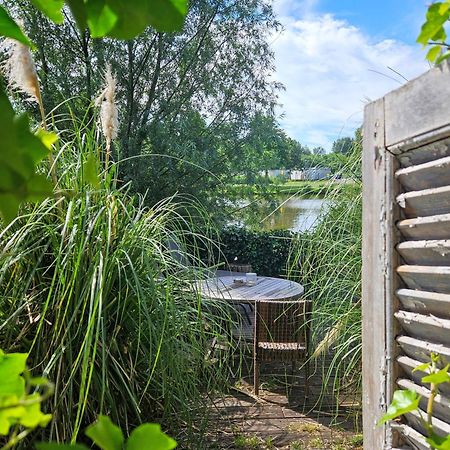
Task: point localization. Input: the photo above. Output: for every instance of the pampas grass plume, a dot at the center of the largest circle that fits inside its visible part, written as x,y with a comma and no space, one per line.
109,117
20,70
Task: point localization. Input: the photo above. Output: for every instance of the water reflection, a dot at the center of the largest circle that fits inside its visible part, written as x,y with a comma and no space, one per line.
281,213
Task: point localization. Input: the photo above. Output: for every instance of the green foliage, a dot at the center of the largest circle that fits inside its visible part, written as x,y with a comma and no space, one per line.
405,401
433,32
142,435
105,434
266,251
122,19
343,145
402,402
113,319
19,408
327,262
108,436
9,28
51,8
20,154
21,151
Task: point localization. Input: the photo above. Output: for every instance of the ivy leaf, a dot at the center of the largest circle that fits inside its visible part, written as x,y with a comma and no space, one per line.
105,434
48,138
100,17
78,9
33,416
10,29
443,57
422,367
135,15
438,442
10,412
12,366
433,53
402,402
51,8
20,152
433,25
150,437
438,377
125,19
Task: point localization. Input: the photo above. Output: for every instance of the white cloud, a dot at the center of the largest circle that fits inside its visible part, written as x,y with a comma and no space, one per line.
327,66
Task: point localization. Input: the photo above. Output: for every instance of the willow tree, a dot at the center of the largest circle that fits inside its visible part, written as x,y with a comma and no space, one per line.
189,96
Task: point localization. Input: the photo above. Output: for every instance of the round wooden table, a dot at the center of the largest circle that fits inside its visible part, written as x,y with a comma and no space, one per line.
265,288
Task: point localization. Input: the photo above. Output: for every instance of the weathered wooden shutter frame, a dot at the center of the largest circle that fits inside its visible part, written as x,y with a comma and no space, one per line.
412,116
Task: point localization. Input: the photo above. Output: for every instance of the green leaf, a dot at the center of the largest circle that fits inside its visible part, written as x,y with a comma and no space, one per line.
48,138
100,17
10,412
433,53
90,171
78,9
422,367
444,7
402,402
12,366
125,19
167,15
438,377
438,442
105,434
443,57
51,8
10,29
55,446
20,152
433,25
150,437
32,416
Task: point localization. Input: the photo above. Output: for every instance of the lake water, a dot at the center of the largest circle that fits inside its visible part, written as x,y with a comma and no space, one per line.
282,213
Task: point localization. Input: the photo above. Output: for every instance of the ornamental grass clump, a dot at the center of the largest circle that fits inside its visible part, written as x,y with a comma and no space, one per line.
104,306
327,261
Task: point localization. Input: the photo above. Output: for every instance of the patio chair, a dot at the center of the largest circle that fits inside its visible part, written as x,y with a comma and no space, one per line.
282,330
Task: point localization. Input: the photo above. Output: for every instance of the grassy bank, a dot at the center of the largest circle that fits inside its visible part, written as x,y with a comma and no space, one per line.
310,189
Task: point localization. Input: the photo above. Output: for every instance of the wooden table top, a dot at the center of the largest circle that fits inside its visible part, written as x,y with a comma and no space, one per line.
266,288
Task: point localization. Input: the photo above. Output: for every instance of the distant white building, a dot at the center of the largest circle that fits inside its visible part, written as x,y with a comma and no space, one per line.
312,174
273,173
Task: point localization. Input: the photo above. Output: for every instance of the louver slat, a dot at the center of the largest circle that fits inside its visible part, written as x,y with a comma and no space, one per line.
426,278
408,365
416,439
424,302
440,428
421,350
427,202
430,328
432,174
430,253
425,153
431,227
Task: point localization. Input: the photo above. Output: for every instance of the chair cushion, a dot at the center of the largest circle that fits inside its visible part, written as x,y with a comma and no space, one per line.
283,346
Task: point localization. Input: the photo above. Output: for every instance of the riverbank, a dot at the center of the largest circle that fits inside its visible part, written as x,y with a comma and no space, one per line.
308,189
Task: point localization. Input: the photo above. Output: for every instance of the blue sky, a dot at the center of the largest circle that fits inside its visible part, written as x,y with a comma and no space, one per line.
335,55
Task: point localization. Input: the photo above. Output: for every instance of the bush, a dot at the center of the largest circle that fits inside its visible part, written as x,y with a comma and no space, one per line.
266,251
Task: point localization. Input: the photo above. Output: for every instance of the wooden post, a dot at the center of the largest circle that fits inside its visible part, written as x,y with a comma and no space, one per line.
374,309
